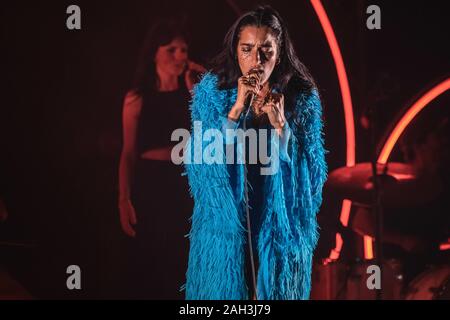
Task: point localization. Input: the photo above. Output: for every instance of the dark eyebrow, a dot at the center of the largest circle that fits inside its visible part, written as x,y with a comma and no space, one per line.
265,45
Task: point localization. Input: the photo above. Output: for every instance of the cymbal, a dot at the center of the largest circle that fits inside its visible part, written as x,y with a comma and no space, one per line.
399,185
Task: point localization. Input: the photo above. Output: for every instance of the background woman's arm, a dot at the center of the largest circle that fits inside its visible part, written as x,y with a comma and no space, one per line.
130,117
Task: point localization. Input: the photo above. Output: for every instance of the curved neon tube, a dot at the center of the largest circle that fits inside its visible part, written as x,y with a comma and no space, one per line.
418,106
348,109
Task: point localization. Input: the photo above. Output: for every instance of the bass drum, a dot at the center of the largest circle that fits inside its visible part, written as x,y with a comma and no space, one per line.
433,284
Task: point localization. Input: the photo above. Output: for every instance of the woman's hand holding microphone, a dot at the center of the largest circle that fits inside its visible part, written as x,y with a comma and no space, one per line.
248,84
263,100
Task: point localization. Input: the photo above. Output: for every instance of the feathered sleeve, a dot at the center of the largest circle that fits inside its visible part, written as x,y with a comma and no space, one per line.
303,173
217,234
308,129
204,116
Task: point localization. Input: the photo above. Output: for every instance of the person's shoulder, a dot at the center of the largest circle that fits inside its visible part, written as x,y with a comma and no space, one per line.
207,83
311,96
307,108
132,103
307,105
132,96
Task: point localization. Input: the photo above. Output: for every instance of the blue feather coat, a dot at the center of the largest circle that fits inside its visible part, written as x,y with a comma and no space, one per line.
288,232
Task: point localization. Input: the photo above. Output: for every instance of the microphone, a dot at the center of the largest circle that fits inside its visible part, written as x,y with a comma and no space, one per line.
253,81
249,102
249,106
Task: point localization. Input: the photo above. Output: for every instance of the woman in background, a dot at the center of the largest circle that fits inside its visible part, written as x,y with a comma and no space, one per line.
154,200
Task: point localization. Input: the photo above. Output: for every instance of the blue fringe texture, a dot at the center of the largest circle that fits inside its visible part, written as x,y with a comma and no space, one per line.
289,232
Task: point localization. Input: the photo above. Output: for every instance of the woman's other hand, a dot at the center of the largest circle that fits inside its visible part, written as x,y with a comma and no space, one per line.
274,108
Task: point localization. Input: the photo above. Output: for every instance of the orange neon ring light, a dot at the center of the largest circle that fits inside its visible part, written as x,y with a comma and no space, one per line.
348,111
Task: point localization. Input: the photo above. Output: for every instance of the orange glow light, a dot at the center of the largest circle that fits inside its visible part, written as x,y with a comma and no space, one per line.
336,251
368,248
345,212
348,110
343,80
420,104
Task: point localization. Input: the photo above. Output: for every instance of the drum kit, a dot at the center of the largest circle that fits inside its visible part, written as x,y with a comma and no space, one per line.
399,187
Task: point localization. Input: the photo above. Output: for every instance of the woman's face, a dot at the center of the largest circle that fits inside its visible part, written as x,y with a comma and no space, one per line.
171,59
257,48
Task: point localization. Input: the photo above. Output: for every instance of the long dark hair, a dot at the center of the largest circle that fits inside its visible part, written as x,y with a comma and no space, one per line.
290,76
161,33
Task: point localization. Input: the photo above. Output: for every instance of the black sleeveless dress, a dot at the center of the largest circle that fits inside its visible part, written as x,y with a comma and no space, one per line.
160,195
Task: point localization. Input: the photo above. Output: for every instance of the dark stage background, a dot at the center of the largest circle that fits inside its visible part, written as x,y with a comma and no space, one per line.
62,100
